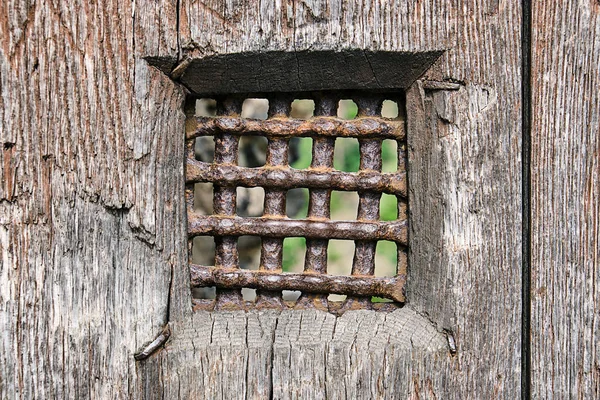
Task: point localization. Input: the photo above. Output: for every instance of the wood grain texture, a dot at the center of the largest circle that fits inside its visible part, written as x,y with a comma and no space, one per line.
565,220
92,222
466,150
306,354
91,177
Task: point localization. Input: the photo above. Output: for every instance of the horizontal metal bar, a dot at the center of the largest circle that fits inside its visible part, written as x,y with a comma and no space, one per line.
366,127
289,178
279,227
356,285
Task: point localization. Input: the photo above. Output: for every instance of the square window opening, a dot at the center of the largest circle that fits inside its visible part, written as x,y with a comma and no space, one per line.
245,193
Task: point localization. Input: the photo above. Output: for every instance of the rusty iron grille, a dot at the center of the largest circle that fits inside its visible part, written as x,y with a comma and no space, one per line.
276,177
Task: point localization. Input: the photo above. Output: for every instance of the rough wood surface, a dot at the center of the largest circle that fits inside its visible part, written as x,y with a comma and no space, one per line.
466,148
92,223
296,354
91,157
565,220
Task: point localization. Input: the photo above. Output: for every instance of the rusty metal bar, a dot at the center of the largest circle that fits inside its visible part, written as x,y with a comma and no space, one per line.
224,198
281,227
320,198
319,204
289,178
271,253
276,177
231,278
284,127
368,206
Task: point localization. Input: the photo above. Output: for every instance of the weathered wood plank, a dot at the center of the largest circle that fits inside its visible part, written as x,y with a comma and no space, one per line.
466,148
92,198
295,355
89,137
565,210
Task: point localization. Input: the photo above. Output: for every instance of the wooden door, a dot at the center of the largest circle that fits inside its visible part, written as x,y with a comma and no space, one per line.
503,145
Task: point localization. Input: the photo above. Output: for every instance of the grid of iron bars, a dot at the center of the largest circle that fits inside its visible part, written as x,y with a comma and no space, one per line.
276,177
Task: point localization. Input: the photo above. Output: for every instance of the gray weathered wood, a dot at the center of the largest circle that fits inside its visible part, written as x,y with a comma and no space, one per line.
91,179
92,222
296,354
565,215
465,145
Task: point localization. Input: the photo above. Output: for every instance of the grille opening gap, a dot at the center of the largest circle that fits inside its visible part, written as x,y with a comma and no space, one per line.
204,149
203,253
204,293
302,108
347,109
386,258
203,250
346,155
389,155
300,152
250,201
336,298
389,109
344,205
296,203
254,108
388,207
248,294
203,198
294,251
339,257
249,251
206,107
252,151
291,295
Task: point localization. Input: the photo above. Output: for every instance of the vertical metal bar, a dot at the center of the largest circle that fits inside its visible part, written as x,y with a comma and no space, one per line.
368,205
320,199
319,203
271,255
224,203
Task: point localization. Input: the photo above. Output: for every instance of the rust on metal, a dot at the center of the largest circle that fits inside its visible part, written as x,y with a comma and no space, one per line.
234,278
366,127
282,227
289,178
153,346
276,177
